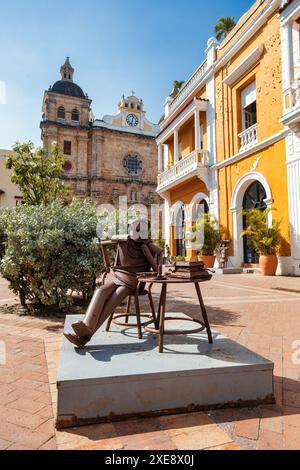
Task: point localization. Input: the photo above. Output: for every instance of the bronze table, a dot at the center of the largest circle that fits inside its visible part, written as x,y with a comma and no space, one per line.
159,323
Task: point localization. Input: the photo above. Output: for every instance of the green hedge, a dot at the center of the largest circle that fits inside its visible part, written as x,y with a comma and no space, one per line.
50,251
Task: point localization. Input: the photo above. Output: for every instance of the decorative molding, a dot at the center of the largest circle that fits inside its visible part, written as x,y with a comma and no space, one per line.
256,148
255,164
100,124
289,10
244,66
257,23
243,183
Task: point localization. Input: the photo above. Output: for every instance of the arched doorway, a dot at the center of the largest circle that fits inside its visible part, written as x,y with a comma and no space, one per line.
238,203
254,198
180,231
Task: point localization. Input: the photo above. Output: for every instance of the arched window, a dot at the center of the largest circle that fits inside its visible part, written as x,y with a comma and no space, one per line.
202,209
254,198
75,115
61,113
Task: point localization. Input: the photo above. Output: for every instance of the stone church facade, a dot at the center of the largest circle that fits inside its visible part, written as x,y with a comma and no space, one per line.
104,158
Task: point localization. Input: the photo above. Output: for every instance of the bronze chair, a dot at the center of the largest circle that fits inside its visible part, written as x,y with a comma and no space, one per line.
117,318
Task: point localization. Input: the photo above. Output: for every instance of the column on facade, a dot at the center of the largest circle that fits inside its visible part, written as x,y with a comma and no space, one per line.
160,158
197,131
288,64
176,147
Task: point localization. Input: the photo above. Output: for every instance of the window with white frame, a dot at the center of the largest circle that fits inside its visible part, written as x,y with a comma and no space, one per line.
249,108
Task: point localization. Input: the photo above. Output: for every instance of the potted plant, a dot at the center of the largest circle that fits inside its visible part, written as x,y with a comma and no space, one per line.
264,238
211,234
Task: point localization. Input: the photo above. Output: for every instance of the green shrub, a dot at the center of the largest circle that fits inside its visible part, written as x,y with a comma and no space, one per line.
51,252
265,239
208,231
3,217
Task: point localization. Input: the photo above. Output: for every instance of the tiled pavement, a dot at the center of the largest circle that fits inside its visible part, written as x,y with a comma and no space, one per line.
261,313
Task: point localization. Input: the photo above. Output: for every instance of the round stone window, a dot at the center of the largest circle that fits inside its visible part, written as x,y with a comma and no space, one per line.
133,164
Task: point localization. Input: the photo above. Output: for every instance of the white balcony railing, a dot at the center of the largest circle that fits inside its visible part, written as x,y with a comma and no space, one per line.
193,81
294,96
186,166
291,99
249,137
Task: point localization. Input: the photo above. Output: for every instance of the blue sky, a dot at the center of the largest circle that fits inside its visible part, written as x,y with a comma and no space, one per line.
115,46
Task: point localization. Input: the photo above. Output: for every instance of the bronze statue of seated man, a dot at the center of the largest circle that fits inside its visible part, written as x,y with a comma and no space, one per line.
134,255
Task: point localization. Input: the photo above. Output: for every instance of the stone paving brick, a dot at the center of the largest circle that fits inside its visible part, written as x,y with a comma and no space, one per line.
24,419
19,447
47,426
229,446
269,440
248,428
151,441
106,444
245,444
245,308
194,431
4,444
273,423
136,426
46,412
291,438
185,422
49,445
85,435
23,404
292,399
6,399
292,417
21,436
204,437
24,394
27,384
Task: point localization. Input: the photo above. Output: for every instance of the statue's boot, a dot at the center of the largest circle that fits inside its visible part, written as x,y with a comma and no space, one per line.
82,330
74,339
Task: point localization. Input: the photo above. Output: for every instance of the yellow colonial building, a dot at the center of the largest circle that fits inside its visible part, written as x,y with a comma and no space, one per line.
223,139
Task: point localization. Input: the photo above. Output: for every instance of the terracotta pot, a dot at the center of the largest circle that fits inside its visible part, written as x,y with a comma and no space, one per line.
268,264
209,261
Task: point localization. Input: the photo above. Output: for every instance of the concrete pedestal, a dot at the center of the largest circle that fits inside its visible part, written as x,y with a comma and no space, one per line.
229,271
119,376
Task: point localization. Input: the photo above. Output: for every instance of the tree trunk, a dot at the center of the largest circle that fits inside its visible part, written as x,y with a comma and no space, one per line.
22,297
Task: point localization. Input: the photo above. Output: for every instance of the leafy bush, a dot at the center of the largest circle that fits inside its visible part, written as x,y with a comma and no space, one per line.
3,238
51,251
207,233
265,240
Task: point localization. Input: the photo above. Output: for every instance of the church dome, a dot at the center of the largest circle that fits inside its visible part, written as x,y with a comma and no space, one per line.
65,87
